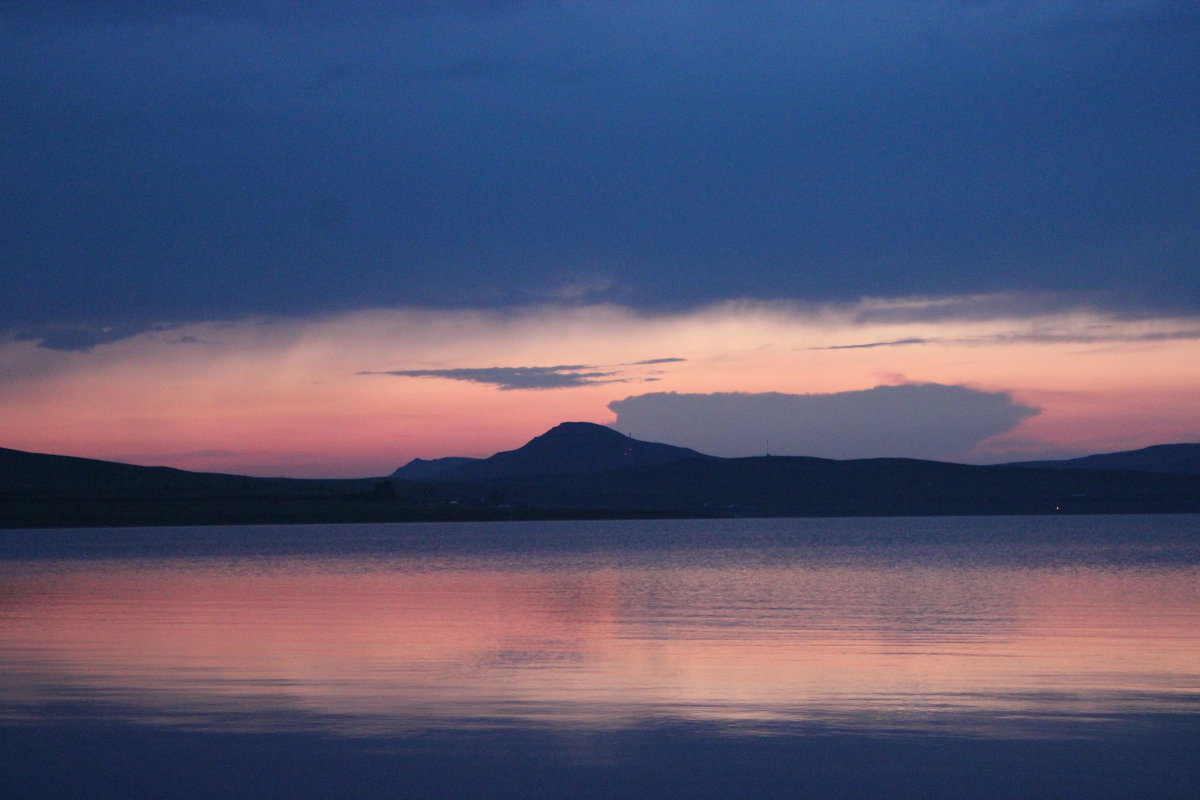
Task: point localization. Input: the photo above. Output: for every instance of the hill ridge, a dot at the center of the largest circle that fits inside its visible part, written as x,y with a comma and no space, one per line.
1182,458
571,448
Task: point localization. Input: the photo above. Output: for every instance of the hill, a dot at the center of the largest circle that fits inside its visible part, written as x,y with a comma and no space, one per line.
1179,459
571,448
22,471
422,469
42,490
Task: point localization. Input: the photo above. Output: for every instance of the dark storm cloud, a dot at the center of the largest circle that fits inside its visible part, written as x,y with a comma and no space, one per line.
129,11
513,378
1171,18
191,159
915,420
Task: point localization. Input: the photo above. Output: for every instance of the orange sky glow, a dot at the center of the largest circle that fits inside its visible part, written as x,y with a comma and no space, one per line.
288,396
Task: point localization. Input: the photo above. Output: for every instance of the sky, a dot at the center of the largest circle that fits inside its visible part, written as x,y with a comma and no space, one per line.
326,239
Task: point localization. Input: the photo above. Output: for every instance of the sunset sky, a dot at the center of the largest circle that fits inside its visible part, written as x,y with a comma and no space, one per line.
325,240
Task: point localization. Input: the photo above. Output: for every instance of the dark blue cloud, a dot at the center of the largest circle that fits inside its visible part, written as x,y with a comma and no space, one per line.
649,361
189,159
567,376
562,376
1099,334
872,345
82,338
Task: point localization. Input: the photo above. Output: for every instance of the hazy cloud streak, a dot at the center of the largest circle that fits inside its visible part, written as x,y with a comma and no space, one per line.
514,378
1037,337
871,345
650,361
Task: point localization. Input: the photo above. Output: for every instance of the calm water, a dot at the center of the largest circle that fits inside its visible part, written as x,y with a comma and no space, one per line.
947,657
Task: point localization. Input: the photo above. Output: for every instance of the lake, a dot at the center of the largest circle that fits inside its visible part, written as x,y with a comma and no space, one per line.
901,657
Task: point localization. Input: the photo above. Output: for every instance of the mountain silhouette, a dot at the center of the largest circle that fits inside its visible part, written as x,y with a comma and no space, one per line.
1180,459
424,469
571,448
579,470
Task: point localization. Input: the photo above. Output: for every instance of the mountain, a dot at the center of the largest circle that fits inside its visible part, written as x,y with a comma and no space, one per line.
422,469
1180,459
571,448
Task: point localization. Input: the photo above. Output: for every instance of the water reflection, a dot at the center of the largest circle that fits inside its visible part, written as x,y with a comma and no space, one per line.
397,640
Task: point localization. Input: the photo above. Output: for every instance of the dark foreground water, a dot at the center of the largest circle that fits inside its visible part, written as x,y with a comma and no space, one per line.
947,657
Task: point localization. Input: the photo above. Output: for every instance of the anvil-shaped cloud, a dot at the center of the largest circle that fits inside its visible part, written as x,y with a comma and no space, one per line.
928,420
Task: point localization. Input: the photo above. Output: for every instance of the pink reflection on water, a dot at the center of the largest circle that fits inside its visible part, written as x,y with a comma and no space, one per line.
387,646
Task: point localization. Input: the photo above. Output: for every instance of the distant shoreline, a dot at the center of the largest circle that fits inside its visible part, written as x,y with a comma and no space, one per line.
581,471
52,513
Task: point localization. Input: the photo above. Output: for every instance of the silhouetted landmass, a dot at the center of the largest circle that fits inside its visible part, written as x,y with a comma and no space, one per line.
571,448
39,472
1179,459
574,471
422,469
40,490
798,486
